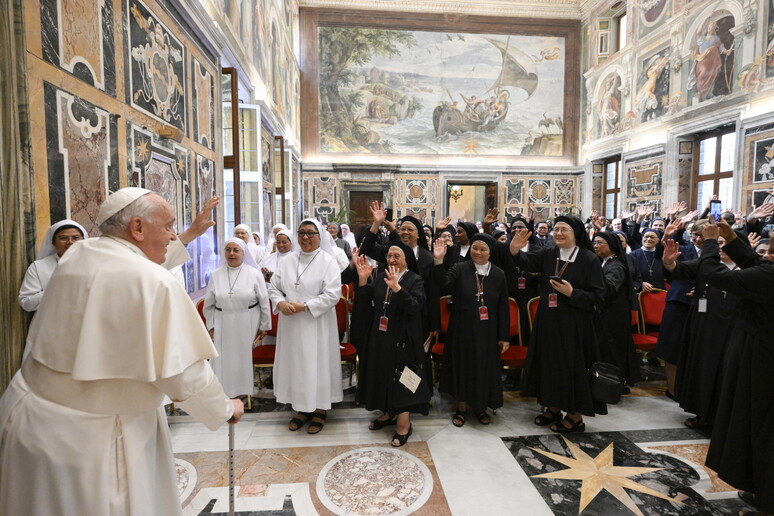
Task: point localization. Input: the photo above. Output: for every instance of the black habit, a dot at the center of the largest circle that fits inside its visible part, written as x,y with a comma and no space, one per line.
563,344
471,358
742,445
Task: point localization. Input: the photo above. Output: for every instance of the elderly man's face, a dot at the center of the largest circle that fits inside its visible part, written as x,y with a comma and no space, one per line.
154,236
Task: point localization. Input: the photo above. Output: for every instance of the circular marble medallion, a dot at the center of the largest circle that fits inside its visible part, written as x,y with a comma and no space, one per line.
186,478
371,481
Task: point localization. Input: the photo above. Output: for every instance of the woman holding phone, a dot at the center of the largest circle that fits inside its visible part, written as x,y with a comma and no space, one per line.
563,344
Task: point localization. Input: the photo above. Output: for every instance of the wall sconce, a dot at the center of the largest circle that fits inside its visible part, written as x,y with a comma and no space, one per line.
455,192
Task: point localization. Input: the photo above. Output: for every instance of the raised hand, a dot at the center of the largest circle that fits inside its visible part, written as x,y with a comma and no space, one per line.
519,240
378,212
201,223
690,216
726,231
443,224
364,269
754,239
596,221
671,251
491,216
764,210
710,231
713,198
672,228
439,250
391,278
625,215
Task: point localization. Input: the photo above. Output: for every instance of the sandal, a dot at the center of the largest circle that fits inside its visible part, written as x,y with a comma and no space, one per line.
296,423
378,424
316,426
747,497
484,418
401,439
575,426
458,419
554,417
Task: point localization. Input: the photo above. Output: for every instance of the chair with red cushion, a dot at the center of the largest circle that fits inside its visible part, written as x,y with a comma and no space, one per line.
651,309
437,349
532,306
642,341
263,354
200,309
515,356
348,351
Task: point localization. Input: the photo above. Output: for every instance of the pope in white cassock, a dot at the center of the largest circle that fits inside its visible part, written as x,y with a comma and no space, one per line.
82,431
304,290
236,307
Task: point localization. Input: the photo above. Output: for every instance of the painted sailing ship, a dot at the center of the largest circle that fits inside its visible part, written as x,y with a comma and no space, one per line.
518,70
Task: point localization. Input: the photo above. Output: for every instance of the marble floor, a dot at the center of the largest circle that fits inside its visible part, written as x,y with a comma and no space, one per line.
639,459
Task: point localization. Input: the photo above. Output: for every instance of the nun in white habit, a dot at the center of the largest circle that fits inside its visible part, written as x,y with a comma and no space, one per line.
59,238
236,307
284,246
254,253
304,290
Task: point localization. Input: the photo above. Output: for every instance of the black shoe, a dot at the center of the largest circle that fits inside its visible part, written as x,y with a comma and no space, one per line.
747,497
575,426
401,439
626,390
553,417
378,424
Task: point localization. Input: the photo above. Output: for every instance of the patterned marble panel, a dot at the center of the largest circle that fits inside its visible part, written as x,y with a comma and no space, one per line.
324,213
206,258
203,100
324,190
416,191
564,191
267,156
404,480
514,191
157,67
78,36
644,179
419,213
268,210
608,473
540,191
82,156
685,168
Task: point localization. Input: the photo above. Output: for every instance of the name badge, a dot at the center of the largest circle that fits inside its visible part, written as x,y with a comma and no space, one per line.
553,300
522,283
383,323
703,304
483,313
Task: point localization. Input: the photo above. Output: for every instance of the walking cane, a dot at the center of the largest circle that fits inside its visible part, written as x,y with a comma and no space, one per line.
231,470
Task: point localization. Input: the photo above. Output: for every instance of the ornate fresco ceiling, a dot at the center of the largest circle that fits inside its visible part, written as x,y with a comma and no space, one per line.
531,9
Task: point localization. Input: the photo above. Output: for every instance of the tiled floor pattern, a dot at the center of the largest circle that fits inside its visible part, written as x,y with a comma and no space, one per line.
639,459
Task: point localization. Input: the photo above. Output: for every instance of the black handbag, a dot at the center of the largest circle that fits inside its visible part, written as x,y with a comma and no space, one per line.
606,382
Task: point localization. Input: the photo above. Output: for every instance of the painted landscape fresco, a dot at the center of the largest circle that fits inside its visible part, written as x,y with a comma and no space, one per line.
412,92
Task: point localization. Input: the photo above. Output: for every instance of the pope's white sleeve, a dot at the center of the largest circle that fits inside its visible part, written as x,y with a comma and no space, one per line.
199,393
177,254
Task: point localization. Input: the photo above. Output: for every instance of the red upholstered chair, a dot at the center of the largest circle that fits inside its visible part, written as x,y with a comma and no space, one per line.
642,341
515,356
348,351
263,354
532,306
200,309
437,349
651,309
348,293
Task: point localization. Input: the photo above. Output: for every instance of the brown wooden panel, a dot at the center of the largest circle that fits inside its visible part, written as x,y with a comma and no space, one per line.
359,203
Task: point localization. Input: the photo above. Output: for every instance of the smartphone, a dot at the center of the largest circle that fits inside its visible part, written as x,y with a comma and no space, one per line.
389,213
558,279
716,207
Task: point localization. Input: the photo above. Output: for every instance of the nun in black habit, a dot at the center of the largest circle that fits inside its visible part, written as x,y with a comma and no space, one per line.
394,300
563,345
614,315
478,330
742,446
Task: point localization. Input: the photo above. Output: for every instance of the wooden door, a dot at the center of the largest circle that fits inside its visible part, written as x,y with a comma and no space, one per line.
360,202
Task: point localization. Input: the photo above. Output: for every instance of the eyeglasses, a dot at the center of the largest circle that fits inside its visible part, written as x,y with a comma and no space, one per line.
307,234
66,238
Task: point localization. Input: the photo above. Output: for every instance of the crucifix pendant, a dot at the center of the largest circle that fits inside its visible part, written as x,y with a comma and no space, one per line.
295,284
385,303
478,296
230,293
